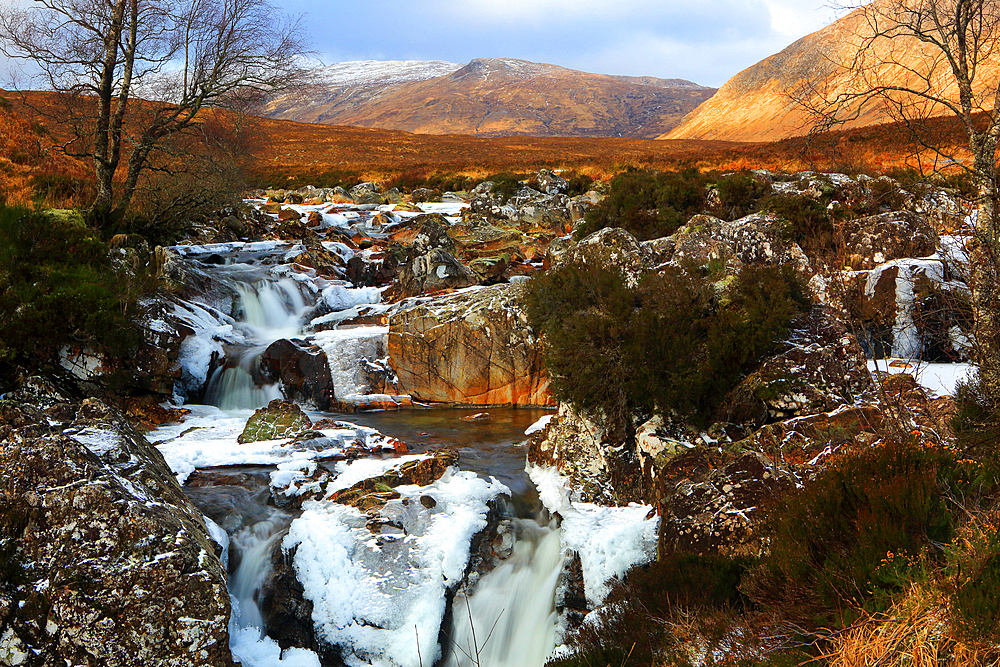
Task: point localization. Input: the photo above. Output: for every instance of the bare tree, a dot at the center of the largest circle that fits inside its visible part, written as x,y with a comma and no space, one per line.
916,59
134,74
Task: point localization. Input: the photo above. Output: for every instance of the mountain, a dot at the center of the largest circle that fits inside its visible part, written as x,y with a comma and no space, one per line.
757,104
489,97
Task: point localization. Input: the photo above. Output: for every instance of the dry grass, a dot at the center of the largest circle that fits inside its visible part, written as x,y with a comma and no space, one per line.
303,153
915,633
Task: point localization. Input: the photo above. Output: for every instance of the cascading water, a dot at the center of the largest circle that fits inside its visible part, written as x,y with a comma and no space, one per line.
272,309
509,618
255,544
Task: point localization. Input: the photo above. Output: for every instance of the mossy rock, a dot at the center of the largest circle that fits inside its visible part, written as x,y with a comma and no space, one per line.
280,419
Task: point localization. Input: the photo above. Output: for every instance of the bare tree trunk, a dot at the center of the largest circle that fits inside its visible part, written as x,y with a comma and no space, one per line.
985,259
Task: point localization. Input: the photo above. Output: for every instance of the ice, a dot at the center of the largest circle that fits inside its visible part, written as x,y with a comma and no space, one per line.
251,650
379,593
341,297
345,348
609,540
939,378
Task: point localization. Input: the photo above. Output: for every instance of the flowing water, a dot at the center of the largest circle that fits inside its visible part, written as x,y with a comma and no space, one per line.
507,618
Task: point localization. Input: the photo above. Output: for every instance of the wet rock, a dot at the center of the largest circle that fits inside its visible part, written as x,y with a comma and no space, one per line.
877,239
280,419
103,561
303,370
373,493
472,348
574,444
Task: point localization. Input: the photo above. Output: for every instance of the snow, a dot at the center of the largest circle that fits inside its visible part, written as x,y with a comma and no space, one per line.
252,650
539,425
345,348
378,593
609,540
382,72
939,378
207,438
341,297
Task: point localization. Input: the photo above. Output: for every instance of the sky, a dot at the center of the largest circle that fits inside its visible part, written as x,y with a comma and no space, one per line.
705,41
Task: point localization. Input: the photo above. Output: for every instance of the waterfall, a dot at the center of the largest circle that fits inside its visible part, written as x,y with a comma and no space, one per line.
509,617
256,543
272,309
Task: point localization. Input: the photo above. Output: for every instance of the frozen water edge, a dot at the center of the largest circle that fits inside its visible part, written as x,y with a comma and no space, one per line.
938,378
609,540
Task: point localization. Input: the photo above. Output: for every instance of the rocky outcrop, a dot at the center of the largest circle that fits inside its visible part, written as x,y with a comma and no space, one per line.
756,238
821,368
574,444
470,348
103,561
877,239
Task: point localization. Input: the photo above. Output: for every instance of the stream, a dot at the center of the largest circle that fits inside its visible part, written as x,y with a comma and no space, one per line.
379,594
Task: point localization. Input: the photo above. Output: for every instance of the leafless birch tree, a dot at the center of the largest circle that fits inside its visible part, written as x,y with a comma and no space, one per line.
135,74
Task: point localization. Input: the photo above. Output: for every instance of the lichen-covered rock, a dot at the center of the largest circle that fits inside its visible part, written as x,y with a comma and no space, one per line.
754,239
574,444
821,367
610,247
877,239
435,271
103,561
470,348
280,419
714,514
373,493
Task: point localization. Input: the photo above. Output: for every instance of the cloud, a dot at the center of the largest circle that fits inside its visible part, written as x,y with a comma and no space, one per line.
706,41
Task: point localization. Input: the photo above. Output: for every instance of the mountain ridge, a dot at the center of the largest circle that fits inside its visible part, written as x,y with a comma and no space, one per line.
490,97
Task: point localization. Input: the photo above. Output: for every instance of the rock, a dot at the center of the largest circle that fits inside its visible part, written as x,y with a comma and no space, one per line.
280,419
551,183
315,219
423,233
714,515
393,196
434,271
303,370
289,214
753,239
877,239
425,195
366,188
339,196
821,368
372,493
574,444
610,247
103,561
650,441
316,256
472,348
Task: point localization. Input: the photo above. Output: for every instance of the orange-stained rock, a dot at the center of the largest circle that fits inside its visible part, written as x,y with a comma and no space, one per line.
469,348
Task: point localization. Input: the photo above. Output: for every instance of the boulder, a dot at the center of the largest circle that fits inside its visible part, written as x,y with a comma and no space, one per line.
339,195
753,239
280,419
423,233
471,348
103,560
573,443
302,369
434,271
821,367
551,183
610,247
877,239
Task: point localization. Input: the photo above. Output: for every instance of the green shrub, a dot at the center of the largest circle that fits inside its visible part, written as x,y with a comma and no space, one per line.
58,287
505,184
857,535
807,222
668,345
648,204
739,194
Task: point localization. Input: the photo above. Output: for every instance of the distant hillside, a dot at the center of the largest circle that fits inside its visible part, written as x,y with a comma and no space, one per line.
490,97
757,104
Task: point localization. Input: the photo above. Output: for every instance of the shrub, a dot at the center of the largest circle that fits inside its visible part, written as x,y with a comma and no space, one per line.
858,535
57,287
739,194
807,222
668,344
648,204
